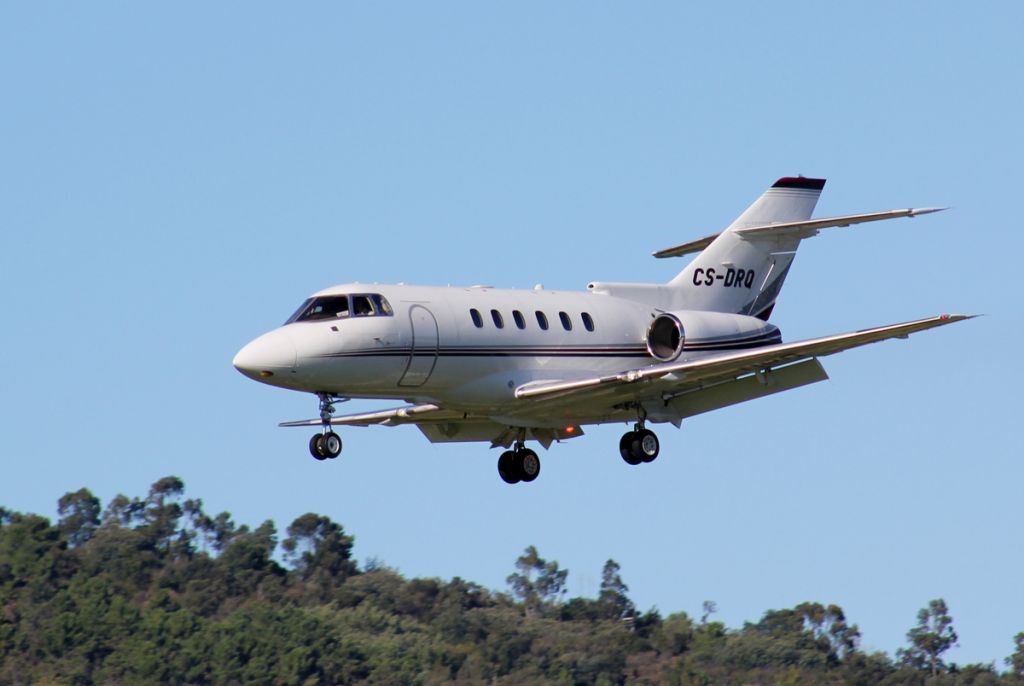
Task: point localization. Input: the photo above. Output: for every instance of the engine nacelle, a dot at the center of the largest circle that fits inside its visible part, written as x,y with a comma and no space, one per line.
665,337
672,332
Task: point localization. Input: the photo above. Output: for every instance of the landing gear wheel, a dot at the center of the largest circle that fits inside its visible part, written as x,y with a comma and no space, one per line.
325,446
316,447
626,448
528,464
330,445
507,468
646,445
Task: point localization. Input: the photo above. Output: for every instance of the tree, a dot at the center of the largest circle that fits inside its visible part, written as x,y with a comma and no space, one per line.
829,628
79,516
122,511
200,524
319,550
247,561
708,608
932,636
612,599
538,583
161,512
222,531
1016,661
675,635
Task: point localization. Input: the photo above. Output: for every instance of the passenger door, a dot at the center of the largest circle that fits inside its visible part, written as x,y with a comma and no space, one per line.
423,354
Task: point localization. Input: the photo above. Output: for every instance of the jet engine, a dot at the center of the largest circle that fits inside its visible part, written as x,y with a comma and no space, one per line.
665,338
706,332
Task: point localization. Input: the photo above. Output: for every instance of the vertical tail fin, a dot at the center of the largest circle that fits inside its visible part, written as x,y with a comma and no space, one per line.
743,275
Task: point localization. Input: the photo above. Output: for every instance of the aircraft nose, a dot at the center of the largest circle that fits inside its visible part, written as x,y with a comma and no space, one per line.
270,353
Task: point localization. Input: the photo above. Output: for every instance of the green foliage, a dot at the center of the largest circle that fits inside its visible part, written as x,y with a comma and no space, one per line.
612,598
79,516
538,584
1016,661
932,636
156,591
319,550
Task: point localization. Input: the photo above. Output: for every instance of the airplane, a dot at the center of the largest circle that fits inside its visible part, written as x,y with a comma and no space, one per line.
507,366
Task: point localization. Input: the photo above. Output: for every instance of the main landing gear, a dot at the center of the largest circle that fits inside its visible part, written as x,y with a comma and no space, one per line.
639,445
520,464
327,444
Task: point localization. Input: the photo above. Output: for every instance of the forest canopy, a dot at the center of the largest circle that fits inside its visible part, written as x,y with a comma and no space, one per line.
155,590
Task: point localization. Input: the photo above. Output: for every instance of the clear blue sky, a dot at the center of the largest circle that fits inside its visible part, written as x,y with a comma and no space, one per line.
174,180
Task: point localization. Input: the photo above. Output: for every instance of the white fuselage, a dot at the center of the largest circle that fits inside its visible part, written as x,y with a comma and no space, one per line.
467,349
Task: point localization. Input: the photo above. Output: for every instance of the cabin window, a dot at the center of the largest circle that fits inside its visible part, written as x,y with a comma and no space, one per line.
478,321
498,321
588,322
566,322
520,320
542,320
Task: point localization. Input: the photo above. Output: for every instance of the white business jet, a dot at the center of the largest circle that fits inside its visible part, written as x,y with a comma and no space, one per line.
511,366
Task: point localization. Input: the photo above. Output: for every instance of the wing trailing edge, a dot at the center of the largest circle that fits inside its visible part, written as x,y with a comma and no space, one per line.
735,364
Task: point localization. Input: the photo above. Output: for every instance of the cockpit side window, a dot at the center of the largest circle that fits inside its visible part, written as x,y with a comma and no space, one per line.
362,306
371,305
383,306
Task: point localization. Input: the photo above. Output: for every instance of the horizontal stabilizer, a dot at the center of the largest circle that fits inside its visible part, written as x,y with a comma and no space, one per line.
800,229
687,248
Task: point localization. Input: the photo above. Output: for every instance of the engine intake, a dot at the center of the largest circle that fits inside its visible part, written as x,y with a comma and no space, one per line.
665,337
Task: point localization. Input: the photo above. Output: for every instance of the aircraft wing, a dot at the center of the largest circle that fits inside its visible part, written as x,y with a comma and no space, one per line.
441,425
407,414
682,374
445,426
803,229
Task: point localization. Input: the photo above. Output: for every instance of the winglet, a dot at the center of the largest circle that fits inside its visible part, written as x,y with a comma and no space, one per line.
925,210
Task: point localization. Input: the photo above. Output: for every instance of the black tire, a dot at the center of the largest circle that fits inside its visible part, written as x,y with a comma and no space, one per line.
316,447
507,468
527,464
626,448
330,445
646,446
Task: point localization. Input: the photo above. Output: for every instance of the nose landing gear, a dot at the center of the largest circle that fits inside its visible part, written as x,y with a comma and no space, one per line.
520,464
326,445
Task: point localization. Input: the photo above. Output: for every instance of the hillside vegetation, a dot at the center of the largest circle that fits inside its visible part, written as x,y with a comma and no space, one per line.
154,590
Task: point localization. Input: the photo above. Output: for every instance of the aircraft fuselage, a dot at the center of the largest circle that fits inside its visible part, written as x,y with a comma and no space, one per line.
469,348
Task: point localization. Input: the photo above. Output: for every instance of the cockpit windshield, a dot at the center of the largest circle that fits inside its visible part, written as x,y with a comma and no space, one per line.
341,307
